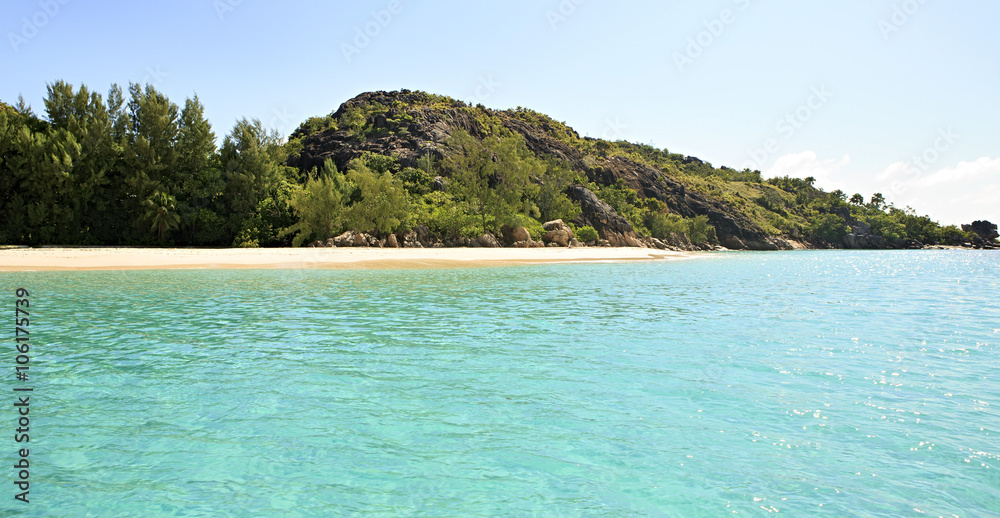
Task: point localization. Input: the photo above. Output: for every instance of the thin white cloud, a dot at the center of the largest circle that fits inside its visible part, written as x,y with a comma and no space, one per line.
985,166
805,164
953,195
897,171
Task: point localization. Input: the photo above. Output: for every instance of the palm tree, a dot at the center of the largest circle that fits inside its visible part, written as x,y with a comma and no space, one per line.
161,211
878,201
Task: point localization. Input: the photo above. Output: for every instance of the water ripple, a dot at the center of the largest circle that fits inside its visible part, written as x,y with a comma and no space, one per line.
815,384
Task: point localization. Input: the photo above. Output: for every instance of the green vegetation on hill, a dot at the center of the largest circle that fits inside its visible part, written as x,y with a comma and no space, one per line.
133,168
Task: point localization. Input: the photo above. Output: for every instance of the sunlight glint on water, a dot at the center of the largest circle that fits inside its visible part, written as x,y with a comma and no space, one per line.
812,383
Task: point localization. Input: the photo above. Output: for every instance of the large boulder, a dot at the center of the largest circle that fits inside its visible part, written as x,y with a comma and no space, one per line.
863,241
559,237
345,239
391,241
598,214
489,241
613,229
657,244
411,240
510,235
519,234
423,235
984,229
557,224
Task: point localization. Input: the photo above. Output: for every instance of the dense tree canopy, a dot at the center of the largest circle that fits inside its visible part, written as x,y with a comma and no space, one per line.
133,168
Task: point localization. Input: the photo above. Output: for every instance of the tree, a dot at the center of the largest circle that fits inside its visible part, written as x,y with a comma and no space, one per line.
198,176
491,176
548,193
153,129
828,227
382,203
81,121
150,127
161,213
878,201
257,183
699,231
858,200
319,206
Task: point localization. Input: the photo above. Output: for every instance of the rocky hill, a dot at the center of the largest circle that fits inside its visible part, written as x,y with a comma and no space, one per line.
401,168
414,125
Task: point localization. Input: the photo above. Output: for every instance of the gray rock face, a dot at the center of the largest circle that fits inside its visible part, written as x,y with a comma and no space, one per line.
984,229
521,234
410,240
423,234
610,225
652,183
557,224
513,235
488,241
345,239
559,237
863,241
426,136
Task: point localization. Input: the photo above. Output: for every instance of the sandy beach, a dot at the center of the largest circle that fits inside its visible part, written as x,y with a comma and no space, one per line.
45,259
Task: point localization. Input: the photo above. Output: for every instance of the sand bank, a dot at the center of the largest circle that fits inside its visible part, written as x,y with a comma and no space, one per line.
41,259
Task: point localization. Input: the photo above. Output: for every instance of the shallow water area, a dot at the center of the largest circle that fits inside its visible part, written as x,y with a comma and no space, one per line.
815,383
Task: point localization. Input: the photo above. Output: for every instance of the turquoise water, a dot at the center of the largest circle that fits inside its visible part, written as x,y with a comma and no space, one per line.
746,384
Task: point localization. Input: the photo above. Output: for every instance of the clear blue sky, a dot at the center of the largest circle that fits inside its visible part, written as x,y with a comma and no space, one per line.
868,84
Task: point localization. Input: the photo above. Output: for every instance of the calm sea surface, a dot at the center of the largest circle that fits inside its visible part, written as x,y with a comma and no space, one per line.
805,383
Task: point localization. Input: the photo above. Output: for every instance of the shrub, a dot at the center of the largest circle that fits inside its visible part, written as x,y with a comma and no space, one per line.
662,225
828,227
699,231
587,234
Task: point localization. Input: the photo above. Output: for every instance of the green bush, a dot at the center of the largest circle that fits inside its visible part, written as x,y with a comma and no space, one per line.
699,231
662,225
828,227
587,234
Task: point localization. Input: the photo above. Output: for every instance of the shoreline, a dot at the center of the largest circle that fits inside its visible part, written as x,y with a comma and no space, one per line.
96,258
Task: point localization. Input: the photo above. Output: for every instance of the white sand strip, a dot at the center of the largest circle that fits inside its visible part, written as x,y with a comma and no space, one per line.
41,259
